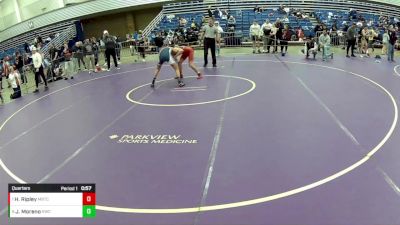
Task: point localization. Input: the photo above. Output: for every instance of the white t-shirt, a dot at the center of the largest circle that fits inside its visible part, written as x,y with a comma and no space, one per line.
255,30
12,77
267,26
37,60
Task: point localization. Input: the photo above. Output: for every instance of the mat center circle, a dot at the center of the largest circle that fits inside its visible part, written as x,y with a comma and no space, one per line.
130,96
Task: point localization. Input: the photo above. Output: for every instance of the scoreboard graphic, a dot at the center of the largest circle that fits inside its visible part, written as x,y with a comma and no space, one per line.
51,200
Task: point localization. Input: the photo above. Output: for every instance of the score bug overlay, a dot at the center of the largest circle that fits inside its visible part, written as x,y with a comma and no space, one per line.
51,200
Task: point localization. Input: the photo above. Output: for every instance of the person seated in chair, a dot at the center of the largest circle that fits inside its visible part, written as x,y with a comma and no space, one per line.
231,23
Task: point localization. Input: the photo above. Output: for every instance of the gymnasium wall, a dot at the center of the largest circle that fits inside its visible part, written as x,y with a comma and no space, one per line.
32,8
120,23
48,13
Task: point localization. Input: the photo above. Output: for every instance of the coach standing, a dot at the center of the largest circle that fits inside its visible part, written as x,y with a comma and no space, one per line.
110,43
351,39
210,34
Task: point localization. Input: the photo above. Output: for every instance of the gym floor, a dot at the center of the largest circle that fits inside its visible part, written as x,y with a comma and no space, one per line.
262,139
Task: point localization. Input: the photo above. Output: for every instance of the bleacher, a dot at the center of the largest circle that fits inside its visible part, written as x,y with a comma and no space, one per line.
10,46
369,10
306,5
244,19
329,17
340,17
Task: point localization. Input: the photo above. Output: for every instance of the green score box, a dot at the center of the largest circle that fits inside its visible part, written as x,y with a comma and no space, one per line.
89,211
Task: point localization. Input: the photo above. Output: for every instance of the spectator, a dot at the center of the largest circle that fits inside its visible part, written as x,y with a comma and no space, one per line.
1,81
255,31
385,42
159,40
170,17
39,40
89,55
193,25
48,39
182,22
37,59
352,14
96,50
370,23
110,42
392,42
300,34
371,39
351,40
26,47
78,56
225,14
68,64
273,38
6,64
203,20
271,14
278,34
281,9
142,42
231,24
19,62
266,29
311,47
217,13
286,35
209,12
334,27
325,42
318,28
15,80
53,53
345,26
220,31
1,93
286,19
364,41
334,34
118,47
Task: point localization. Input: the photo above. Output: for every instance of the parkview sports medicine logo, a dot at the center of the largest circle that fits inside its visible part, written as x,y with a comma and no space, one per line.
152,139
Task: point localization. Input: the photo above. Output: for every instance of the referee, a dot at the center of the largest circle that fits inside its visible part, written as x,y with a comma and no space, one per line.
210,34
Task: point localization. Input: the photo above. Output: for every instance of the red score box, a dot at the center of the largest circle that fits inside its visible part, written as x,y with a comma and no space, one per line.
89,198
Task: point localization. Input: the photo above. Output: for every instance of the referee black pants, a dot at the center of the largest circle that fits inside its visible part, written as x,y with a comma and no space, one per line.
209,43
